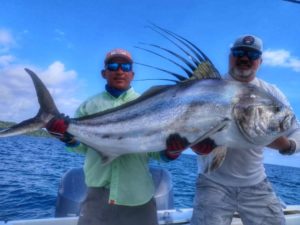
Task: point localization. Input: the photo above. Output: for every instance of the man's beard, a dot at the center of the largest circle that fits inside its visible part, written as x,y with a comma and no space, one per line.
235,72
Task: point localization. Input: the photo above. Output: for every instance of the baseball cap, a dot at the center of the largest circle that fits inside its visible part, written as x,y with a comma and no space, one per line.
248,41
118,53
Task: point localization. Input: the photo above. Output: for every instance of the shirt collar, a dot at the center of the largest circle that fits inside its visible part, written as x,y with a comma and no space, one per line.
115,92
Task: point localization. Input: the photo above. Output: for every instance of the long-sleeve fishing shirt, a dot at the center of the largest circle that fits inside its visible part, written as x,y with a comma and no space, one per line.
127,177
244,167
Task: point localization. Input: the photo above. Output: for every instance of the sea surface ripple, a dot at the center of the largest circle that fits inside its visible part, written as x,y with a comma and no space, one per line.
31,169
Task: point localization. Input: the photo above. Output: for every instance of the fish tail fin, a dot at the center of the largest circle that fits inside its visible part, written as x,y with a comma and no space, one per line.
213,160
47,110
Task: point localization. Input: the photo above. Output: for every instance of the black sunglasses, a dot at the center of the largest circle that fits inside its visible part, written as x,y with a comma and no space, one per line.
251,54
126,67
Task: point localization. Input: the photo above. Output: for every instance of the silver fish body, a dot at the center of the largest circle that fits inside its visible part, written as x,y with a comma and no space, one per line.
231,113
145,125
200,105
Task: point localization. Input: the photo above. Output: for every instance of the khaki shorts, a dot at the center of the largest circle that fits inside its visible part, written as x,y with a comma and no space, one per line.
215,204
95,210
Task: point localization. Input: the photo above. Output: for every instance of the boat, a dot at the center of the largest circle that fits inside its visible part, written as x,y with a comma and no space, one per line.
72,191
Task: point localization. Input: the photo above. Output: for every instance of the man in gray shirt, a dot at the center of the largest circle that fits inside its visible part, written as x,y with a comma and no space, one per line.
240,184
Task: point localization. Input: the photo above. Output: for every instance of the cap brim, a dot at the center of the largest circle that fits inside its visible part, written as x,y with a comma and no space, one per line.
246,47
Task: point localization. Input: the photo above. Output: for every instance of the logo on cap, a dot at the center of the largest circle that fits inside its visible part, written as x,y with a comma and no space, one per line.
248,40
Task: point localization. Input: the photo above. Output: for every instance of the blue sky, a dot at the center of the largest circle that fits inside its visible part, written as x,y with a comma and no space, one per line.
64,42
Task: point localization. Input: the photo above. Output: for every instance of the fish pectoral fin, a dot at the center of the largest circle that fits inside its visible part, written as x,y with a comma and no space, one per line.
219,127
106,159
213,160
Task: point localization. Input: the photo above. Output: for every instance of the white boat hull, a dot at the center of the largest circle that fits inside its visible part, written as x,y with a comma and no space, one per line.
170,217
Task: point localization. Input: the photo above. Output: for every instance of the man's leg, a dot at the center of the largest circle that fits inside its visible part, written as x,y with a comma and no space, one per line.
136,215
258,204
95,210
214,204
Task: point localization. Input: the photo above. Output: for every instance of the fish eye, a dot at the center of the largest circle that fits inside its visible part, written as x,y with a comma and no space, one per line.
249,109
277,109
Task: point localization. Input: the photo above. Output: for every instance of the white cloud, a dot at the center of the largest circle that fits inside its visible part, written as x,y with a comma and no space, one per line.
59,32
61,36
6,59
56,74
18,98
6,40
281,58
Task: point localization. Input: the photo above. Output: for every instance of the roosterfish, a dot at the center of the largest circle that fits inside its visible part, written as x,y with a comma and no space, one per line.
198,106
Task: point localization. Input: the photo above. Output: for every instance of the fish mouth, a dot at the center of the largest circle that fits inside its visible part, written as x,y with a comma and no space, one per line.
287,122
258,131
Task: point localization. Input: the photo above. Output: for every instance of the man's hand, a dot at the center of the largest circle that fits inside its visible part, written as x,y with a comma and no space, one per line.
58,128
284,145
204,147
175,145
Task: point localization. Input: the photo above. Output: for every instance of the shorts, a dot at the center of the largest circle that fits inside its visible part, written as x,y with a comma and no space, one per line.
95,210
215,204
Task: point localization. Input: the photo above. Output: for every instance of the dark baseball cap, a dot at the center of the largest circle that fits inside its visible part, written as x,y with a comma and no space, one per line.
248,41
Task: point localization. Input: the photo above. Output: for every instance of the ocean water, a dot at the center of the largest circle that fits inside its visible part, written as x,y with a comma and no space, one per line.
31,169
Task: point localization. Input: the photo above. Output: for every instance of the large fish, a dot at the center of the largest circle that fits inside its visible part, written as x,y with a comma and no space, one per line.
231,113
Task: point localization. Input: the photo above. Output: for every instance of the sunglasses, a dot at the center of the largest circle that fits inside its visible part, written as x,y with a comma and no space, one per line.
252,55
126,67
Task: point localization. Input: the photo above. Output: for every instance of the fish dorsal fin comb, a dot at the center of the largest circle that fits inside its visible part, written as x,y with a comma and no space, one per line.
205,71
193,62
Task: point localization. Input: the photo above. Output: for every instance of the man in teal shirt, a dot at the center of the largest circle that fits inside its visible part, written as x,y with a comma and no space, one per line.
121,192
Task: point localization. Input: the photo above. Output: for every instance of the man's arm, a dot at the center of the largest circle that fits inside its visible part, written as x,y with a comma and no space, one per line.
284,145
